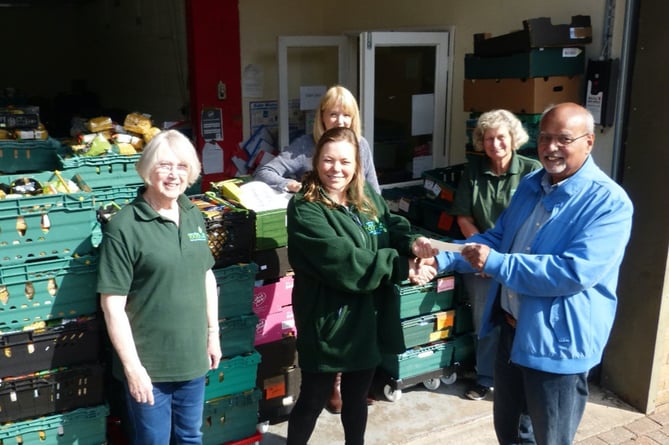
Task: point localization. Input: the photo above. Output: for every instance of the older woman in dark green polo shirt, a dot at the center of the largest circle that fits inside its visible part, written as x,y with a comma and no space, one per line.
484,190
159,297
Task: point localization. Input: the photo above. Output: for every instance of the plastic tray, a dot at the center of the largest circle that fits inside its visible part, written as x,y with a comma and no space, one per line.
418,361
42,226
28,155
230,418
235,289
46,290
233,375
83,426
70,343
237,334
51,392
415,300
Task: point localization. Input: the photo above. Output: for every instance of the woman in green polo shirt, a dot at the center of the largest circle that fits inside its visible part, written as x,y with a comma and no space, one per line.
159,297
484,190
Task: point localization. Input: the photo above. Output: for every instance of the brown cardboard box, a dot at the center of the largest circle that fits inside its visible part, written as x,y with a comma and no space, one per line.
527,96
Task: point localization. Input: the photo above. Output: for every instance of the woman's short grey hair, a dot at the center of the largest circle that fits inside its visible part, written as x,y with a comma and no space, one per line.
177,143
495,119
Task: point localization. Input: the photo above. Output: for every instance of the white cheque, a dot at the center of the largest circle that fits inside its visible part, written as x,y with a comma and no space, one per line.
446,247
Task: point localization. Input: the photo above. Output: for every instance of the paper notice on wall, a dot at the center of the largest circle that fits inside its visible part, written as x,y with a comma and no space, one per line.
310,97
212,158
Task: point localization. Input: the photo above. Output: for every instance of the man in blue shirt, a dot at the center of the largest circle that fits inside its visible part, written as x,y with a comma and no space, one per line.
554,255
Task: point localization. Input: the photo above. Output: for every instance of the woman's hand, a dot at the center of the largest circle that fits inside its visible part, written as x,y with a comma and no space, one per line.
294,186
422,248
419,272
139,384
214,349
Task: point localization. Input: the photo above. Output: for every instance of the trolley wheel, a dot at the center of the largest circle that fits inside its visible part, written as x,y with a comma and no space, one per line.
262,427
449,379
392,395
432,384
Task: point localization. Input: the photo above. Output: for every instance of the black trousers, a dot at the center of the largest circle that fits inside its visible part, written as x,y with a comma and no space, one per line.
315,391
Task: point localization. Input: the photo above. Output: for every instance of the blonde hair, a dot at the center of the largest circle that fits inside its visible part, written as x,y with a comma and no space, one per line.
355,193
337,95
495,119
177,143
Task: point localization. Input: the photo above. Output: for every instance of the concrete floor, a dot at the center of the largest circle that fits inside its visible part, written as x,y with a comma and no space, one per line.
444,416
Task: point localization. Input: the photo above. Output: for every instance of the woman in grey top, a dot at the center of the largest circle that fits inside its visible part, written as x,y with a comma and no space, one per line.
338,108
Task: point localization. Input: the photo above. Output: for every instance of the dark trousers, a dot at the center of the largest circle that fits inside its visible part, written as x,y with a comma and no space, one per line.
554,402
315,390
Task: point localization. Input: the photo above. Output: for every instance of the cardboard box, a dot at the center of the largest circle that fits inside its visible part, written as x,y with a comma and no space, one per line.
536,33
273,297
527,96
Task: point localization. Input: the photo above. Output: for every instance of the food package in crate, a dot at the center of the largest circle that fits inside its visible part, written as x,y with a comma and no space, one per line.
230,229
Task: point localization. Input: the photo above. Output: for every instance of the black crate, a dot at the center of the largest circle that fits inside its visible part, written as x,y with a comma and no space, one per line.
278,377
51,392
71,343
231,236
272,263
536,33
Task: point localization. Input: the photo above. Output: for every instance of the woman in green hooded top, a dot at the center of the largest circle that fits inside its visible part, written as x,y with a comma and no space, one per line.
347,250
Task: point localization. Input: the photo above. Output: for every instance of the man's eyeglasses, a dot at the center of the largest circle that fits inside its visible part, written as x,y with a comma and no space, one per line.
166,167
560,139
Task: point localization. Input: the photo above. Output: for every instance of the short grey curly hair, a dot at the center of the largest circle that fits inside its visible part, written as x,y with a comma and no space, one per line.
494,119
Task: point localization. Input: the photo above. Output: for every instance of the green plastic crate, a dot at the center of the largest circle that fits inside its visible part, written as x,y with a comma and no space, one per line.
46,290
237,334
230,418
418,361
463,319
235,289
233,375
43,226
464,349
415,300
536,62
83,426
28,155
271,229
102,172
427,328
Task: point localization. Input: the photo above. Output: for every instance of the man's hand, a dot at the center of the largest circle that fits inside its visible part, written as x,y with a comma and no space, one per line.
476,255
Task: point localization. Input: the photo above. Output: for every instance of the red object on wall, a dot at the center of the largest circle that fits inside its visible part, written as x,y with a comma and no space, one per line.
214,57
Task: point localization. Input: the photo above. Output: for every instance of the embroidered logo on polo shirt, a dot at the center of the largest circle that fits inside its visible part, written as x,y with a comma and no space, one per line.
375,227
200,235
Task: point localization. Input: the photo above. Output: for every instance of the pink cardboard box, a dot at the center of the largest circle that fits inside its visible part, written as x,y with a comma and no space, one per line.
275,326
272,297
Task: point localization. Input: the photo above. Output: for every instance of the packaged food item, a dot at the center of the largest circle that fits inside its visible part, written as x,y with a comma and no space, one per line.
101,123
137,123
150,133
99,146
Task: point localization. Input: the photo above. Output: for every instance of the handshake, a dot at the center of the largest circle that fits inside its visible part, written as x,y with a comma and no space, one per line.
423,267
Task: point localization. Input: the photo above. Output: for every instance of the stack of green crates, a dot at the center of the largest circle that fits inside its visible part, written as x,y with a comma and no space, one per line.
231,399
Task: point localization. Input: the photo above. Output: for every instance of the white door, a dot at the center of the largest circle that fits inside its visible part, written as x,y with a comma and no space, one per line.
308,61
404,101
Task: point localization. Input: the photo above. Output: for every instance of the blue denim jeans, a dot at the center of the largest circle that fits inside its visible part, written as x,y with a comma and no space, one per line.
554,402
175,417
486,347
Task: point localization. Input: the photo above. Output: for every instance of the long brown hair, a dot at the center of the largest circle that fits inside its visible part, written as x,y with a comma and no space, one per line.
355,193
